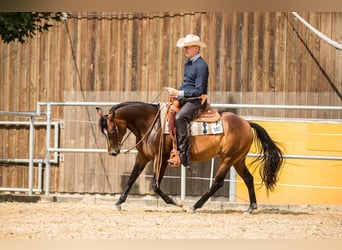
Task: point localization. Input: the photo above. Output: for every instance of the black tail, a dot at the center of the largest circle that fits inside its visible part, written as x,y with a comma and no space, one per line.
270,155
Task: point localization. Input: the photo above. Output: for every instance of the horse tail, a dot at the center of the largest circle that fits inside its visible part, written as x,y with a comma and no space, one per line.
270,155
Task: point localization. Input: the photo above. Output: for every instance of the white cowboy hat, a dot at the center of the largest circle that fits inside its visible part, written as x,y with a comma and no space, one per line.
190,40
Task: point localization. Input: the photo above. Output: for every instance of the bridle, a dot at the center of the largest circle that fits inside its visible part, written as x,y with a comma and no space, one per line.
116,129
114,132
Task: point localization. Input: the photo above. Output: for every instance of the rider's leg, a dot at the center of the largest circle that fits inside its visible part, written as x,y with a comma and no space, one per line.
183,118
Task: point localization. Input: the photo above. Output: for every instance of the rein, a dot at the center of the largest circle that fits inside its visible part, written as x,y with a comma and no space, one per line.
158,161
148,131
144,136
124,140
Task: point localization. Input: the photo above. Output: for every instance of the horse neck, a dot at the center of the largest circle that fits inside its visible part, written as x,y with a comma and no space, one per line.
138,117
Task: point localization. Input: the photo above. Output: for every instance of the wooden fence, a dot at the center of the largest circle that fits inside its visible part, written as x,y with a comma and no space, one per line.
253,57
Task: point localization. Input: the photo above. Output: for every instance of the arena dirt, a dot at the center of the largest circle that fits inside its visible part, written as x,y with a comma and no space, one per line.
92,220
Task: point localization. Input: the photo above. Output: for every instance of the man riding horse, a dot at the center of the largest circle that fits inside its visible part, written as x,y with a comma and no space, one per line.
231,145
190,94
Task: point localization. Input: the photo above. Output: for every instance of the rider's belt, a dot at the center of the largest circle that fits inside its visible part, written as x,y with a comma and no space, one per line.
202,98
192,98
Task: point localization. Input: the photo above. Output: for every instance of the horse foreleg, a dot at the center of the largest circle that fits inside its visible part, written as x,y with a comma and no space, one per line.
137,169
132,178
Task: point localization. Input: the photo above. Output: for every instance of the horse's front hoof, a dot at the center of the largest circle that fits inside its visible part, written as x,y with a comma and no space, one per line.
116,207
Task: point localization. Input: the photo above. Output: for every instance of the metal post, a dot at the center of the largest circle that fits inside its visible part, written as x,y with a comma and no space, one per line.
211,172
47,152
40,171
31,155
183,182
232,184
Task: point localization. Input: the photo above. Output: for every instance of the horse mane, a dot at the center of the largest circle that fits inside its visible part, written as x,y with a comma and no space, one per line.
128,103
103,119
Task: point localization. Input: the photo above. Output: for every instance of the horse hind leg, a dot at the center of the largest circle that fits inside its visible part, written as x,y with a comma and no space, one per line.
156,185
167,199
217,184
247,177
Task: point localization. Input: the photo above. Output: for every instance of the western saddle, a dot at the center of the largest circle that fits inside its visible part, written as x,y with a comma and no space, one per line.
207,114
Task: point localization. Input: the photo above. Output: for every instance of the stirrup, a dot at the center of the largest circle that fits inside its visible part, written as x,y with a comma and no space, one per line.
174,160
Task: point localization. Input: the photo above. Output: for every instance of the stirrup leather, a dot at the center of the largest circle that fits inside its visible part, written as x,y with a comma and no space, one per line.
174,160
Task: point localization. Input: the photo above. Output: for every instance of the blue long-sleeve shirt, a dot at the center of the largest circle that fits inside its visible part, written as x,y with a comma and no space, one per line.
196,74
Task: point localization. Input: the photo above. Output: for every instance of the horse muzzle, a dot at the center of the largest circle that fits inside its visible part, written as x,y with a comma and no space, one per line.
114,151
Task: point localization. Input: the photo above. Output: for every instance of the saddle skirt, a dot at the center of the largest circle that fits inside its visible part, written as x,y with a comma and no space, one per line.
207,123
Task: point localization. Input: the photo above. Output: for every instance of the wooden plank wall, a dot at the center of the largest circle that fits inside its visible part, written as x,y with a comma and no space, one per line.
254,58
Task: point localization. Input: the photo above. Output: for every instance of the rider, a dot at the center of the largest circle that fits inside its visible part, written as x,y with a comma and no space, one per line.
191,92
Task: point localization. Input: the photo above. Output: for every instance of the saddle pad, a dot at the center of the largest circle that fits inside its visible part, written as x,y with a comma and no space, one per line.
202,128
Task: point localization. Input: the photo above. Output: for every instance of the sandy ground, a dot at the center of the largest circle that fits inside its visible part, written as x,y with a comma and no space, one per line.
86,220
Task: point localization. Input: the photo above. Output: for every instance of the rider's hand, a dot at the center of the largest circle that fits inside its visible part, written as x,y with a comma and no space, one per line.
172,91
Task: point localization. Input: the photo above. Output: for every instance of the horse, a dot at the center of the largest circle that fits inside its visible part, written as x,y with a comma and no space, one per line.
232,146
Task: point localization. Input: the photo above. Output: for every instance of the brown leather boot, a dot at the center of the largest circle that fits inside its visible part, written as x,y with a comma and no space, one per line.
185,158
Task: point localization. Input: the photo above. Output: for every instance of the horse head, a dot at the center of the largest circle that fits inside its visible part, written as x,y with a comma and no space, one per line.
113,129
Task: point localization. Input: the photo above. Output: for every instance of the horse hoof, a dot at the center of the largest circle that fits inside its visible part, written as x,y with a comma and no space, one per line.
191,210
116,207
250,210
178,203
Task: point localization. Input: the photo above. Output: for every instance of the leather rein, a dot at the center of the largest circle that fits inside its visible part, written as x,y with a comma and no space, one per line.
144,136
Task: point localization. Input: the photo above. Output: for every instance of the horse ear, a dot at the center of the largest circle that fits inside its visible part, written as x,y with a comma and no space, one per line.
99,111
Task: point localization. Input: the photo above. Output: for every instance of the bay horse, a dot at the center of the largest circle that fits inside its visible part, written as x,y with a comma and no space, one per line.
143,120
